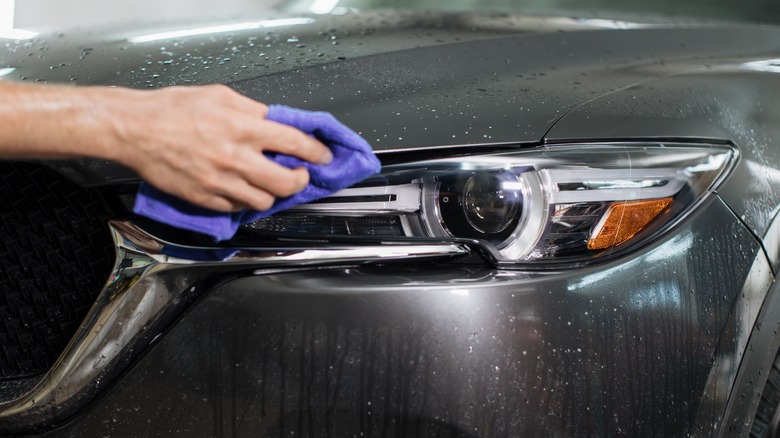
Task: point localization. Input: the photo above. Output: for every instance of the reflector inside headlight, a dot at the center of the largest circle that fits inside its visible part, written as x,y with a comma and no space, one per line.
567,202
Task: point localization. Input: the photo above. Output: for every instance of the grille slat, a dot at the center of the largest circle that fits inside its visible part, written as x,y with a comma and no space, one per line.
55,255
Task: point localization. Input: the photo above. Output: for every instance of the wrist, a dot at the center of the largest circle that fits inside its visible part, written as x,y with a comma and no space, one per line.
101,117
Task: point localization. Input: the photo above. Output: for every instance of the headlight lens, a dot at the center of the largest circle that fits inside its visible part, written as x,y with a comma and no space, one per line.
565,202
490,204
479,205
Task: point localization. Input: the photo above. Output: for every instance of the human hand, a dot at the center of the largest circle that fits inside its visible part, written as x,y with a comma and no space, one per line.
205,145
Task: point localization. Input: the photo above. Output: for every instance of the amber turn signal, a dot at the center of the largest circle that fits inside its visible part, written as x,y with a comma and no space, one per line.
623,220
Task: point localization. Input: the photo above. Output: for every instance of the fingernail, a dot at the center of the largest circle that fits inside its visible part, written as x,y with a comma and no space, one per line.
326,158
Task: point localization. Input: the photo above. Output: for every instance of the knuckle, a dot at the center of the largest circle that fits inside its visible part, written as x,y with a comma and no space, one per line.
237,206
296,143
264,202
197,197
288,187
303,179
210,182
208,201
184,95
239,130
226,155
220,90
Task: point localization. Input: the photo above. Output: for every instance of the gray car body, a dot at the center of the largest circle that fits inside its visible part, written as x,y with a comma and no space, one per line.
670,340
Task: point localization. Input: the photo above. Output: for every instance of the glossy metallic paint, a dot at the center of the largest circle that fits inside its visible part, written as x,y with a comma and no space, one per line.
649,344
624,348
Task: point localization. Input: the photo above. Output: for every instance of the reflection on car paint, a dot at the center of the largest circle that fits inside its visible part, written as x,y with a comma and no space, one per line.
519,354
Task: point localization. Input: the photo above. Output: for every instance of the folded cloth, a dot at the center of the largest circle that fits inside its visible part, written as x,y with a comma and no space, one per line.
353,161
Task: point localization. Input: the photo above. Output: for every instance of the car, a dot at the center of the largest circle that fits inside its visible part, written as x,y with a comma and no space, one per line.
575,233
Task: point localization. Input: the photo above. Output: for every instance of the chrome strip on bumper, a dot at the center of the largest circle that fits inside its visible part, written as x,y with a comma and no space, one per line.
151,284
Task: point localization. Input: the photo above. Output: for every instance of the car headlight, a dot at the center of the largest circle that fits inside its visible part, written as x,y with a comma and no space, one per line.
557,203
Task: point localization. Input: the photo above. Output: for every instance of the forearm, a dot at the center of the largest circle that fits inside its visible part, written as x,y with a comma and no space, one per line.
54,121
203,144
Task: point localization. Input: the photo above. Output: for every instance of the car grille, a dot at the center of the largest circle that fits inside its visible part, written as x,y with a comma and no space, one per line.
55,256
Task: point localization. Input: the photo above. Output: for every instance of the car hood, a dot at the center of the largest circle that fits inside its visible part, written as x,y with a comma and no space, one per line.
404,81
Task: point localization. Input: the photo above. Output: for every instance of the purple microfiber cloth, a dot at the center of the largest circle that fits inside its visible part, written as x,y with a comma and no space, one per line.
353,161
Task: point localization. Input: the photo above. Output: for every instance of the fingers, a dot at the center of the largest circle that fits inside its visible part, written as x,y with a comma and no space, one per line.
269,135
219,164
245,104
281,138
244,195
255,186
215,202
274,178
231,193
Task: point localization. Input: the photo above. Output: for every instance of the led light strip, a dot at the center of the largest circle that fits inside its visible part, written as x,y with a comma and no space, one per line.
617,186
403,198
406,198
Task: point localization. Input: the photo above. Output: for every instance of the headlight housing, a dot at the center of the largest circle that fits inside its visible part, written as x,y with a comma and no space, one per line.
558,203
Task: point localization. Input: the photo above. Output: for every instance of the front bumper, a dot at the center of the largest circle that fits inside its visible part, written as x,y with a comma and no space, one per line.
646,345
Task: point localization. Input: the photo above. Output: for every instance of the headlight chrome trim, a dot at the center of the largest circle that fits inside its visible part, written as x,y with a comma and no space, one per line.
574,176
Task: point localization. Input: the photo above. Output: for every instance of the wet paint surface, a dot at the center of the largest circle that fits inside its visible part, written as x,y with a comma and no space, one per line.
501,90
620,349
403,82
149,55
